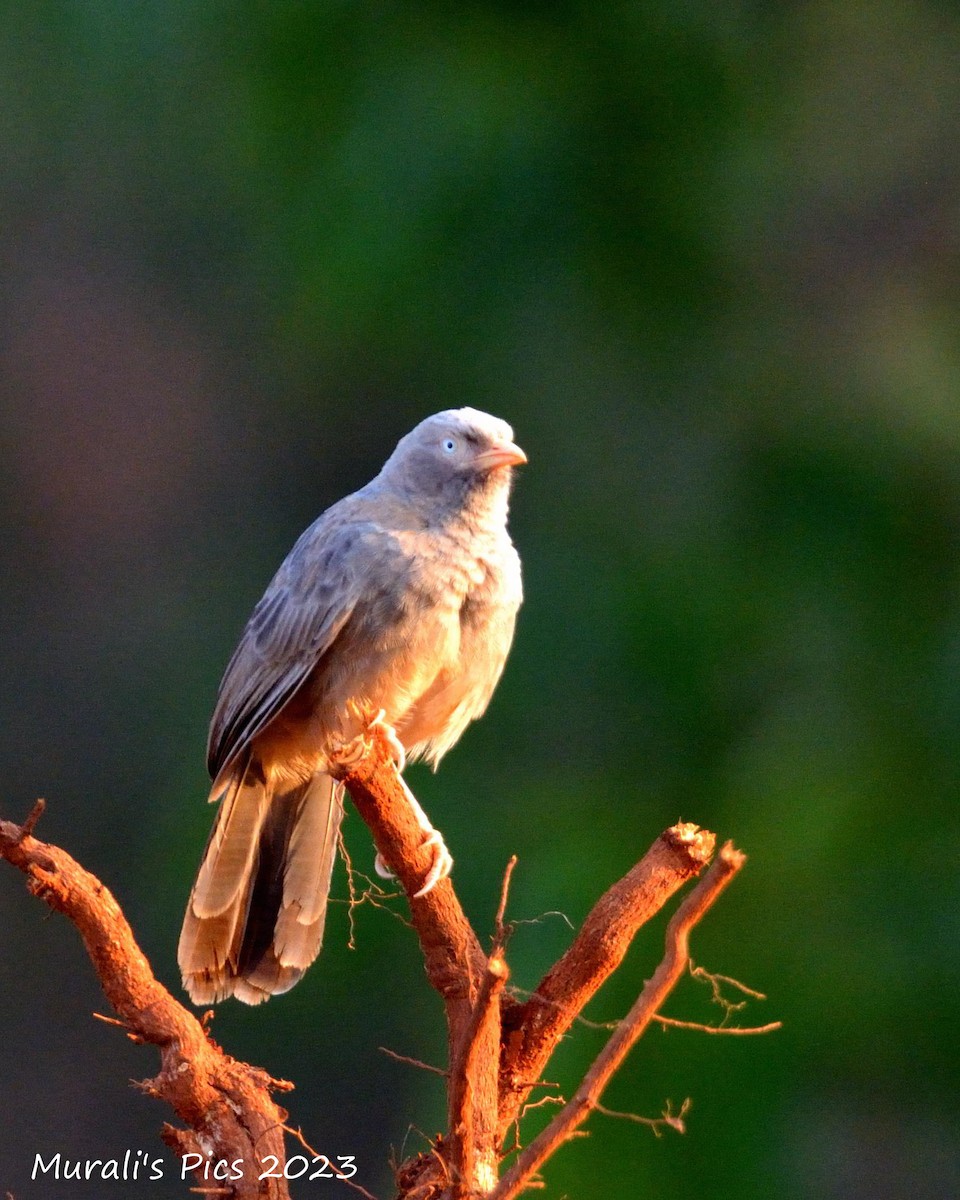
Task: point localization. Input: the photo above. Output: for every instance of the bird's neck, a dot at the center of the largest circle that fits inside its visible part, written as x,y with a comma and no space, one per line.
487,507
482,510
478,509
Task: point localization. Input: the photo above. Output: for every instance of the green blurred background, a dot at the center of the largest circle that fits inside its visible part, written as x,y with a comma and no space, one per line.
705,259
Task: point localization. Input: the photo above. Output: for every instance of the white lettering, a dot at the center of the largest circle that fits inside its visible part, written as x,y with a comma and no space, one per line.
39,1165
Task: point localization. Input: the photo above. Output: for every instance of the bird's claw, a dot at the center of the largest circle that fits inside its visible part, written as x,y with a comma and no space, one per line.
440,868
397,751
350,751
442,863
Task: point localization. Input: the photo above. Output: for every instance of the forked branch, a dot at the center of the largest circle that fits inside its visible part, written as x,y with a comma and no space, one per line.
497,1052
655,992
497,1047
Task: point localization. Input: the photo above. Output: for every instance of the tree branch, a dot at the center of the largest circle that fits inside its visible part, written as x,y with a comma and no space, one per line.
474,1160
497,1047
225,1103
454,960
672,966
456,966
484,1103
532,1032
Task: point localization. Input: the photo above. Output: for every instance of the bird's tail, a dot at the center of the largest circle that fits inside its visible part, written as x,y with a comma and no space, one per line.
255,917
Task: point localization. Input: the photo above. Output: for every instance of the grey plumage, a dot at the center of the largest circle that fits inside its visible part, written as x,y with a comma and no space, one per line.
400,597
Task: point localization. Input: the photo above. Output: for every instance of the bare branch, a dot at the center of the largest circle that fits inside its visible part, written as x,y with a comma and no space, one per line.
454,959
412,1062
498,1047
672,966
474,1163
532,1031
298,1134
667,1118
500,931
456,966
483,1106
742,1030
225,1103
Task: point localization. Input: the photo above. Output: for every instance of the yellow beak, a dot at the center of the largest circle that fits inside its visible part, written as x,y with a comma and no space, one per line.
502,454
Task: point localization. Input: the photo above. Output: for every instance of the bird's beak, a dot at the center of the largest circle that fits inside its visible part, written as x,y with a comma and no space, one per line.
500,454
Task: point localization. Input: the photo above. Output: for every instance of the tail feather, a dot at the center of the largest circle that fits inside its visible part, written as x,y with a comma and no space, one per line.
232,845
313,851
256,915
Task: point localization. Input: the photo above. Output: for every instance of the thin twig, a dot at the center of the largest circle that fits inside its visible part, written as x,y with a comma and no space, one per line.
109,1020
26,829
742,1031
671,1119
298,1134
702,975
581,1020
500,931
550,912
412,1062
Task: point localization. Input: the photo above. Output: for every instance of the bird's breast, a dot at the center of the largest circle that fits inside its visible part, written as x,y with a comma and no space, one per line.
477,616
428,652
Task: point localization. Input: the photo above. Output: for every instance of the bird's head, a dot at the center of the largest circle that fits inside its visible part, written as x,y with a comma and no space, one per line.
460,460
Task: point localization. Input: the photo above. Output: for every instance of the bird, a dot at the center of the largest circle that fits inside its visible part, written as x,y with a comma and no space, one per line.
400,602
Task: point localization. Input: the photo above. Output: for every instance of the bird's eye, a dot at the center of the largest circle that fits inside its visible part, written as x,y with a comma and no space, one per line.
449,445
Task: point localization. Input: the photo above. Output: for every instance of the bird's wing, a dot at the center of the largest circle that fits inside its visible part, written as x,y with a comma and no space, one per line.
310,599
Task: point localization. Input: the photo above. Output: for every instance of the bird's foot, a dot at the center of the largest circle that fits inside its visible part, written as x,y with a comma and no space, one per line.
440,868
442,863
397,752
347,752
442,858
